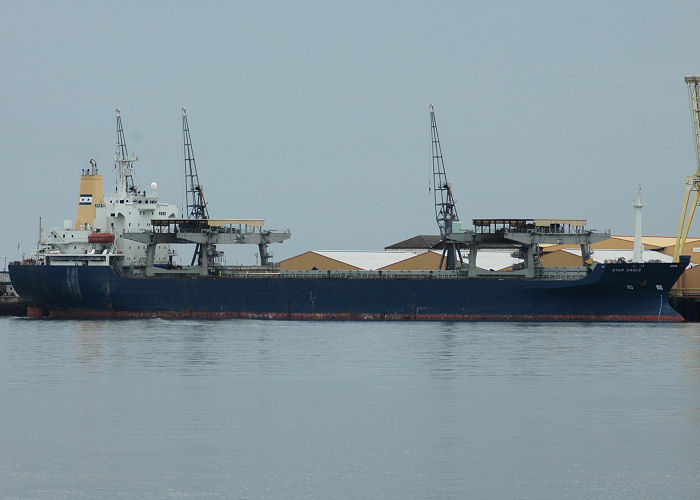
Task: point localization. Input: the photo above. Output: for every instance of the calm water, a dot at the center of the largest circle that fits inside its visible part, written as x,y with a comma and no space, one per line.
255,409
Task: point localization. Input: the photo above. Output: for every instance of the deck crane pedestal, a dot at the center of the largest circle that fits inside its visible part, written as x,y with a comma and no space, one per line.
692,182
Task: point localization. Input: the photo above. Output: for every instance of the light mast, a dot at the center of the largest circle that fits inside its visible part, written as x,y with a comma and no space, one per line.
637,255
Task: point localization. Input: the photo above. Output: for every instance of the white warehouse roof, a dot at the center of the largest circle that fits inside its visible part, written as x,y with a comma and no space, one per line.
366,260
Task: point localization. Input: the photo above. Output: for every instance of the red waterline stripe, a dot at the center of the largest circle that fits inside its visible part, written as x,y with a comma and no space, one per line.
35,311
56,313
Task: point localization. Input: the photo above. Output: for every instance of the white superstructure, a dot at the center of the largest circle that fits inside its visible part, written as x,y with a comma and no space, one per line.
129,210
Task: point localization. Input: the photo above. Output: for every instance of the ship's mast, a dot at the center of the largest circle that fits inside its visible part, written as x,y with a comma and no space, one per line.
124,163
637,255
445,208
38,241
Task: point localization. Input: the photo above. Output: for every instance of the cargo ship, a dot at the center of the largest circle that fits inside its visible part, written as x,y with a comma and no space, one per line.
117,261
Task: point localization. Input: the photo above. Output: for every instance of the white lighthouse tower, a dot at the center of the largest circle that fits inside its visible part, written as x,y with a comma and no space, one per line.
638,248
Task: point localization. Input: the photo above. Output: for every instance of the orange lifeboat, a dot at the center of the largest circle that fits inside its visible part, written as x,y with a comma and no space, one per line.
98,237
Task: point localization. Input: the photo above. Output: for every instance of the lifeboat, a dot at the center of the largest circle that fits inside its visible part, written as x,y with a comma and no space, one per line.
98,237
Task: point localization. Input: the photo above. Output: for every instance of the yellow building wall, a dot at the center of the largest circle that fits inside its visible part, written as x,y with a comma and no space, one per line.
426,261
609,244
614,244
620,243
687,250
309,260
689,282
654,242
560,258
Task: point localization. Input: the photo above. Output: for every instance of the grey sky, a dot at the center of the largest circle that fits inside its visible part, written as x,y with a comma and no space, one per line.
314,115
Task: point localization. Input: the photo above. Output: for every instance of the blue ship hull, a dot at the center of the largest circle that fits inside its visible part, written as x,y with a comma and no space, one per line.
610,292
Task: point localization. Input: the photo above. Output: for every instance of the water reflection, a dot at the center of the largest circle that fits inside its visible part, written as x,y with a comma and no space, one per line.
88,336
303,409
186,345
442,349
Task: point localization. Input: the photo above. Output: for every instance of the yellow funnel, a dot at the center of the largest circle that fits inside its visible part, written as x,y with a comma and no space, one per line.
90,195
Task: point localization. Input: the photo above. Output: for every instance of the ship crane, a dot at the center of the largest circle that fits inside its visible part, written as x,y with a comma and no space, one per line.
124,163
196,206
692,182
445,208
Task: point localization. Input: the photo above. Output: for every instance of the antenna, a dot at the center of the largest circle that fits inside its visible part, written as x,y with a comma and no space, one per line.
445,208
